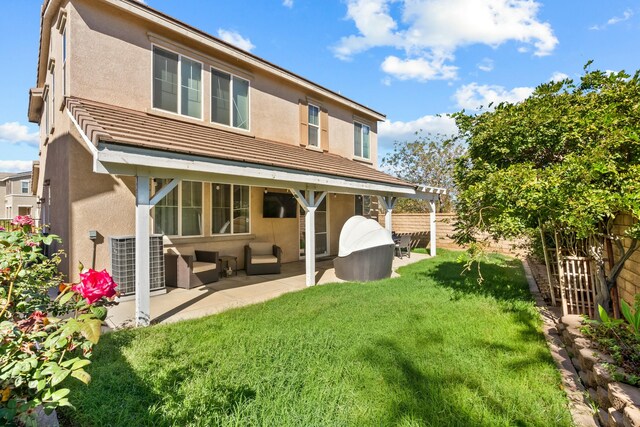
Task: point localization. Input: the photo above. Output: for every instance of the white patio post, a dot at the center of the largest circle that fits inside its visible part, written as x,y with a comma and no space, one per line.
432,226
310,204
388,202
143,283
143,297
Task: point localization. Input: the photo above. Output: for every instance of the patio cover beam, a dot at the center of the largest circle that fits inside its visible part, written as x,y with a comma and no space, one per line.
432,227
388,202
121,160
310,204
143,281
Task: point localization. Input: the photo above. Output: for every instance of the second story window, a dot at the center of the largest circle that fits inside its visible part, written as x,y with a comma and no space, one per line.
229,100
361,140
24,189
177,83
314,126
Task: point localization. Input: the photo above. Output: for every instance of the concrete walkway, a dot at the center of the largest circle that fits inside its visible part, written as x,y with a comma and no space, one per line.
231,292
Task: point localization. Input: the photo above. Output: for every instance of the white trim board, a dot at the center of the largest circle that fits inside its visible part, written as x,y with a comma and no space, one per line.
132,161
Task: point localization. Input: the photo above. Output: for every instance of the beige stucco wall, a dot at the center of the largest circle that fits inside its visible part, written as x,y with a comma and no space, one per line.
56,161
111,62
104,203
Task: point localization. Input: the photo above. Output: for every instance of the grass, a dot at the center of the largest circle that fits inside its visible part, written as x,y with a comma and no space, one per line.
430,348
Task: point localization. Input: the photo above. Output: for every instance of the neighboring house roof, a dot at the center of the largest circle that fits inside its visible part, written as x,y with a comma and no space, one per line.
5,176
116,125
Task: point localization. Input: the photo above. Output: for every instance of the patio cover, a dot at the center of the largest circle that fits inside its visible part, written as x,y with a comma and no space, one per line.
136,143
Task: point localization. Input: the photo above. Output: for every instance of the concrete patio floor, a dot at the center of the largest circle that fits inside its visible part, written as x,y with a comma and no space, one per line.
231,292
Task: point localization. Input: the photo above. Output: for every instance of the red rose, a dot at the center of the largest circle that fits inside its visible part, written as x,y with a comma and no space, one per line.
22,220
95,285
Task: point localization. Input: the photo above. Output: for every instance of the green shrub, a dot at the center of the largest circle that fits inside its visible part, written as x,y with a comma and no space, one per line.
43,341
619,339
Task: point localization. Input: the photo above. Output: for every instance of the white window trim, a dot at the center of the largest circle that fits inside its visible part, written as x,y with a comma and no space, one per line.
46,110
316,126
232,75
52,115
368,159
231,209
64,55
28,187
180,56
179,188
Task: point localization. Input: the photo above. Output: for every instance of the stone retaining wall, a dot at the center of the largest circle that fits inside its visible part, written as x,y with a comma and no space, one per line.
618,403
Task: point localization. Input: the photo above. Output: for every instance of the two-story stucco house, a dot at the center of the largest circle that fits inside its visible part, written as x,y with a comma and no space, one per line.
151,126
16,195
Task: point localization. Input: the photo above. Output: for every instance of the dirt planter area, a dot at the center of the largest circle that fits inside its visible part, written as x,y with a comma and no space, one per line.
618,403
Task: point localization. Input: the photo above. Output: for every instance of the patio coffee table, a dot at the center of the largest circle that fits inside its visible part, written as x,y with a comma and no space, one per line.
225,259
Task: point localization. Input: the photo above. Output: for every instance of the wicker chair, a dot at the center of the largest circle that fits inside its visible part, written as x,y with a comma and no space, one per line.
262,258
187,268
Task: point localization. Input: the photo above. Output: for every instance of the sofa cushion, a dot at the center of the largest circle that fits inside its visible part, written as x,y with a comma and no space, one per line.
199,267
264,259
261,248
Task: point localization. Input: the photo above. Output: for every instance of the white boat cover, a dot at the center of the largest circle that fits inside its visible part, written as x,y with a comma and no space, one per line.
360,233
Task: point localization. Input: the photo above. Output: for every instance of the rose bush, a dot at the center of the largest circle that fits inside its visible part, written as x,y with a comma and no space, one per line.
43,341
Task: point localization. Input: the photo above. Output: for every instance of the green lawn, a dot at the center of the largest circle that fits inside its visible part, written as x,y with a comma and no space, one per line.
430,348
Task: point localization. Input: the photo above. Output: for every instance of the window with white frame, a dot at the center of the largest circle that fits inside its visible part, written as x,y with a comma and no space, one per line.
230,209
177,83
64,61
314,125
53,98
179,213
361,140
24,187
45,119
363,205
229,100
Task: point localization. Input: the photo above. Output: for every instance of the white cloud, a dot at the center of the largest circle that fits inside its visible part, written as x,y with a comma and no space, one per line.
287,3
15,133
386,81
420,69
15,165
389,131
626,15
432,30
473,96
486,65
234,38
558,76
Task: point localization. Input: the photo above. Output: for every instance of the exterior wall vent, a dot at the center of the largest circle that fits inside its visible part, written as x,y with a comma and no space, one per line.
123,263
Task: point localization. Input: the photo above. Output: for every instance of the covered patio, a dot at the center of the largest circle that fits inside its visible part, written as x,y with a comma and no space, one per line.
232,292
135,144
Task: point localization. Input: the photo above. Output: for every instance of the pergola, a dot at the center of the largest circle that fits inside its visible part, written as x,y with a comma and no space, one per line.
113,153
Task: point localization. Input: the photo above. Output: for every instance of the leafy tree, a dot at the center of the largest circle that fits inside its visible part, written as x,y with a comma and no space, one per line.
429,160
567,158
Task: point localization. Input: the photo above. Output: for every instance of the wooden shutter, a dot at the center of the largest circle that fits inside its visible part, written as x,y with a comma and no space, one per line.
324,129
304,122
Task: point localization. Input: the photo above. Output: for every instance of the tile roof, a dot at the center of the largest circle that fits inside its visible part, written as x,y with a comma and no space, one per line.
116,125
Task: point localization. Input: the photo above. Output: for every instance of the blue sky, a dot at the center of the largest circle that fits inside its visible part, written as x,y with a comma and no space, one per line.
409,59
